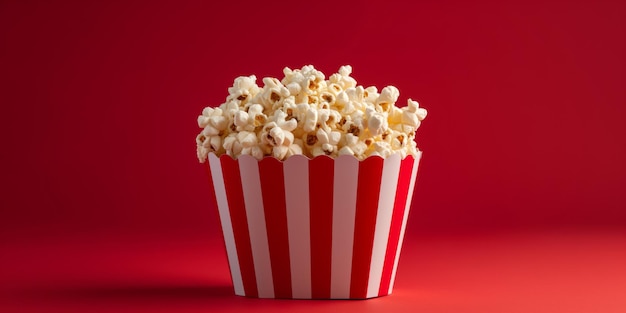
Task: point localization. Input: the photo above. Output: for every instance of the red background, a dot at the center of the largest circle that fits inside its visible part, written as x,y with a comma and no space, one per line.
520,202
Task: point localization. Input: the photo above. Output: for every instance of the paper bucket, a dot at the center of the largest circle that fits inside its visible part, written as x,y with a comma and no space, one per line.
317,228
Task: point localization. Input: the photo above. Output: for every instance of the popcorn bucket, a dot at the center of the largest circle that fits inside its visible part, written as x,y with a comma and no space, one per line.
317,228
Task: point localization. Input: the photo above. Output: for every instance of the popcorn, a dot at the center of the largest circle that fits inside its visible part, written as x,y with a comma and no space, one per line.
247,139
376,122
255,112
273,135
241,119
280,118
345,150
294,149
414,107
231,108
413,115
353,146
310,120
343,78
232,145
388,97
382,148
342,99
273,93
305,114
244,88
370,94
329,140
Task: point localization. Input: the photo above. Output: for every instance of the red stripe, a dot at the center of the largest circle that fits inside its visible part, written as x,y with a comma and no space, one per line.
402,193
236,206
321,214
368,189
273,190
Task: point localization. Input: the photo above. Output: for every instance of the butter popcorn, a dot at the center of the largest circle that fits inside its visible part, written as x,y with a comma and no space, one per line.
307,114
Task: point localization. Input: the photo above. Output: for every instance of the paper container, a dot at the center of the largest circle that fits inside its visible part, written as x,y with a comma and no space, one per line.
313,229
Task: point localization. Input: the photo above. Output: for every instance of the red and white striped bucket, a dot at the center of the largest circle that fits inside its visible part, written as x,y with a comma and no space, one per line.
313,229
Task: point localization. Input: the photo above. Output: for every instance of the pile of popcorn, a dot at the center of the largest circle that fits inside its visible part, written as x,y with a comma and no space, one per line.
306,114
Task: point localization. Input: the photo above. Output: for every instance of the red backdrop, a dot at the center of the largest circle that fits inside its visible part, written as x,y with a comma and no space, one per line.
526,126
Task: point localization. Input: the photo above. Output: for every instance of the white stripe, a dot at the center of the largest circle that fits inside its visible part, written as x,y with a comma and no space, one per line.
386,199
296,172
404,219
344,213
253,198
227,227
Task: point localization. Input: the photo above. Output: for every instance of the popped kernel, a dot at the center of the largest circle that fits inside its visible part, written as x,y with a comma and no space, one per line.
310,120
387,98
257,117
377,122
232,145
243,89
247,139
